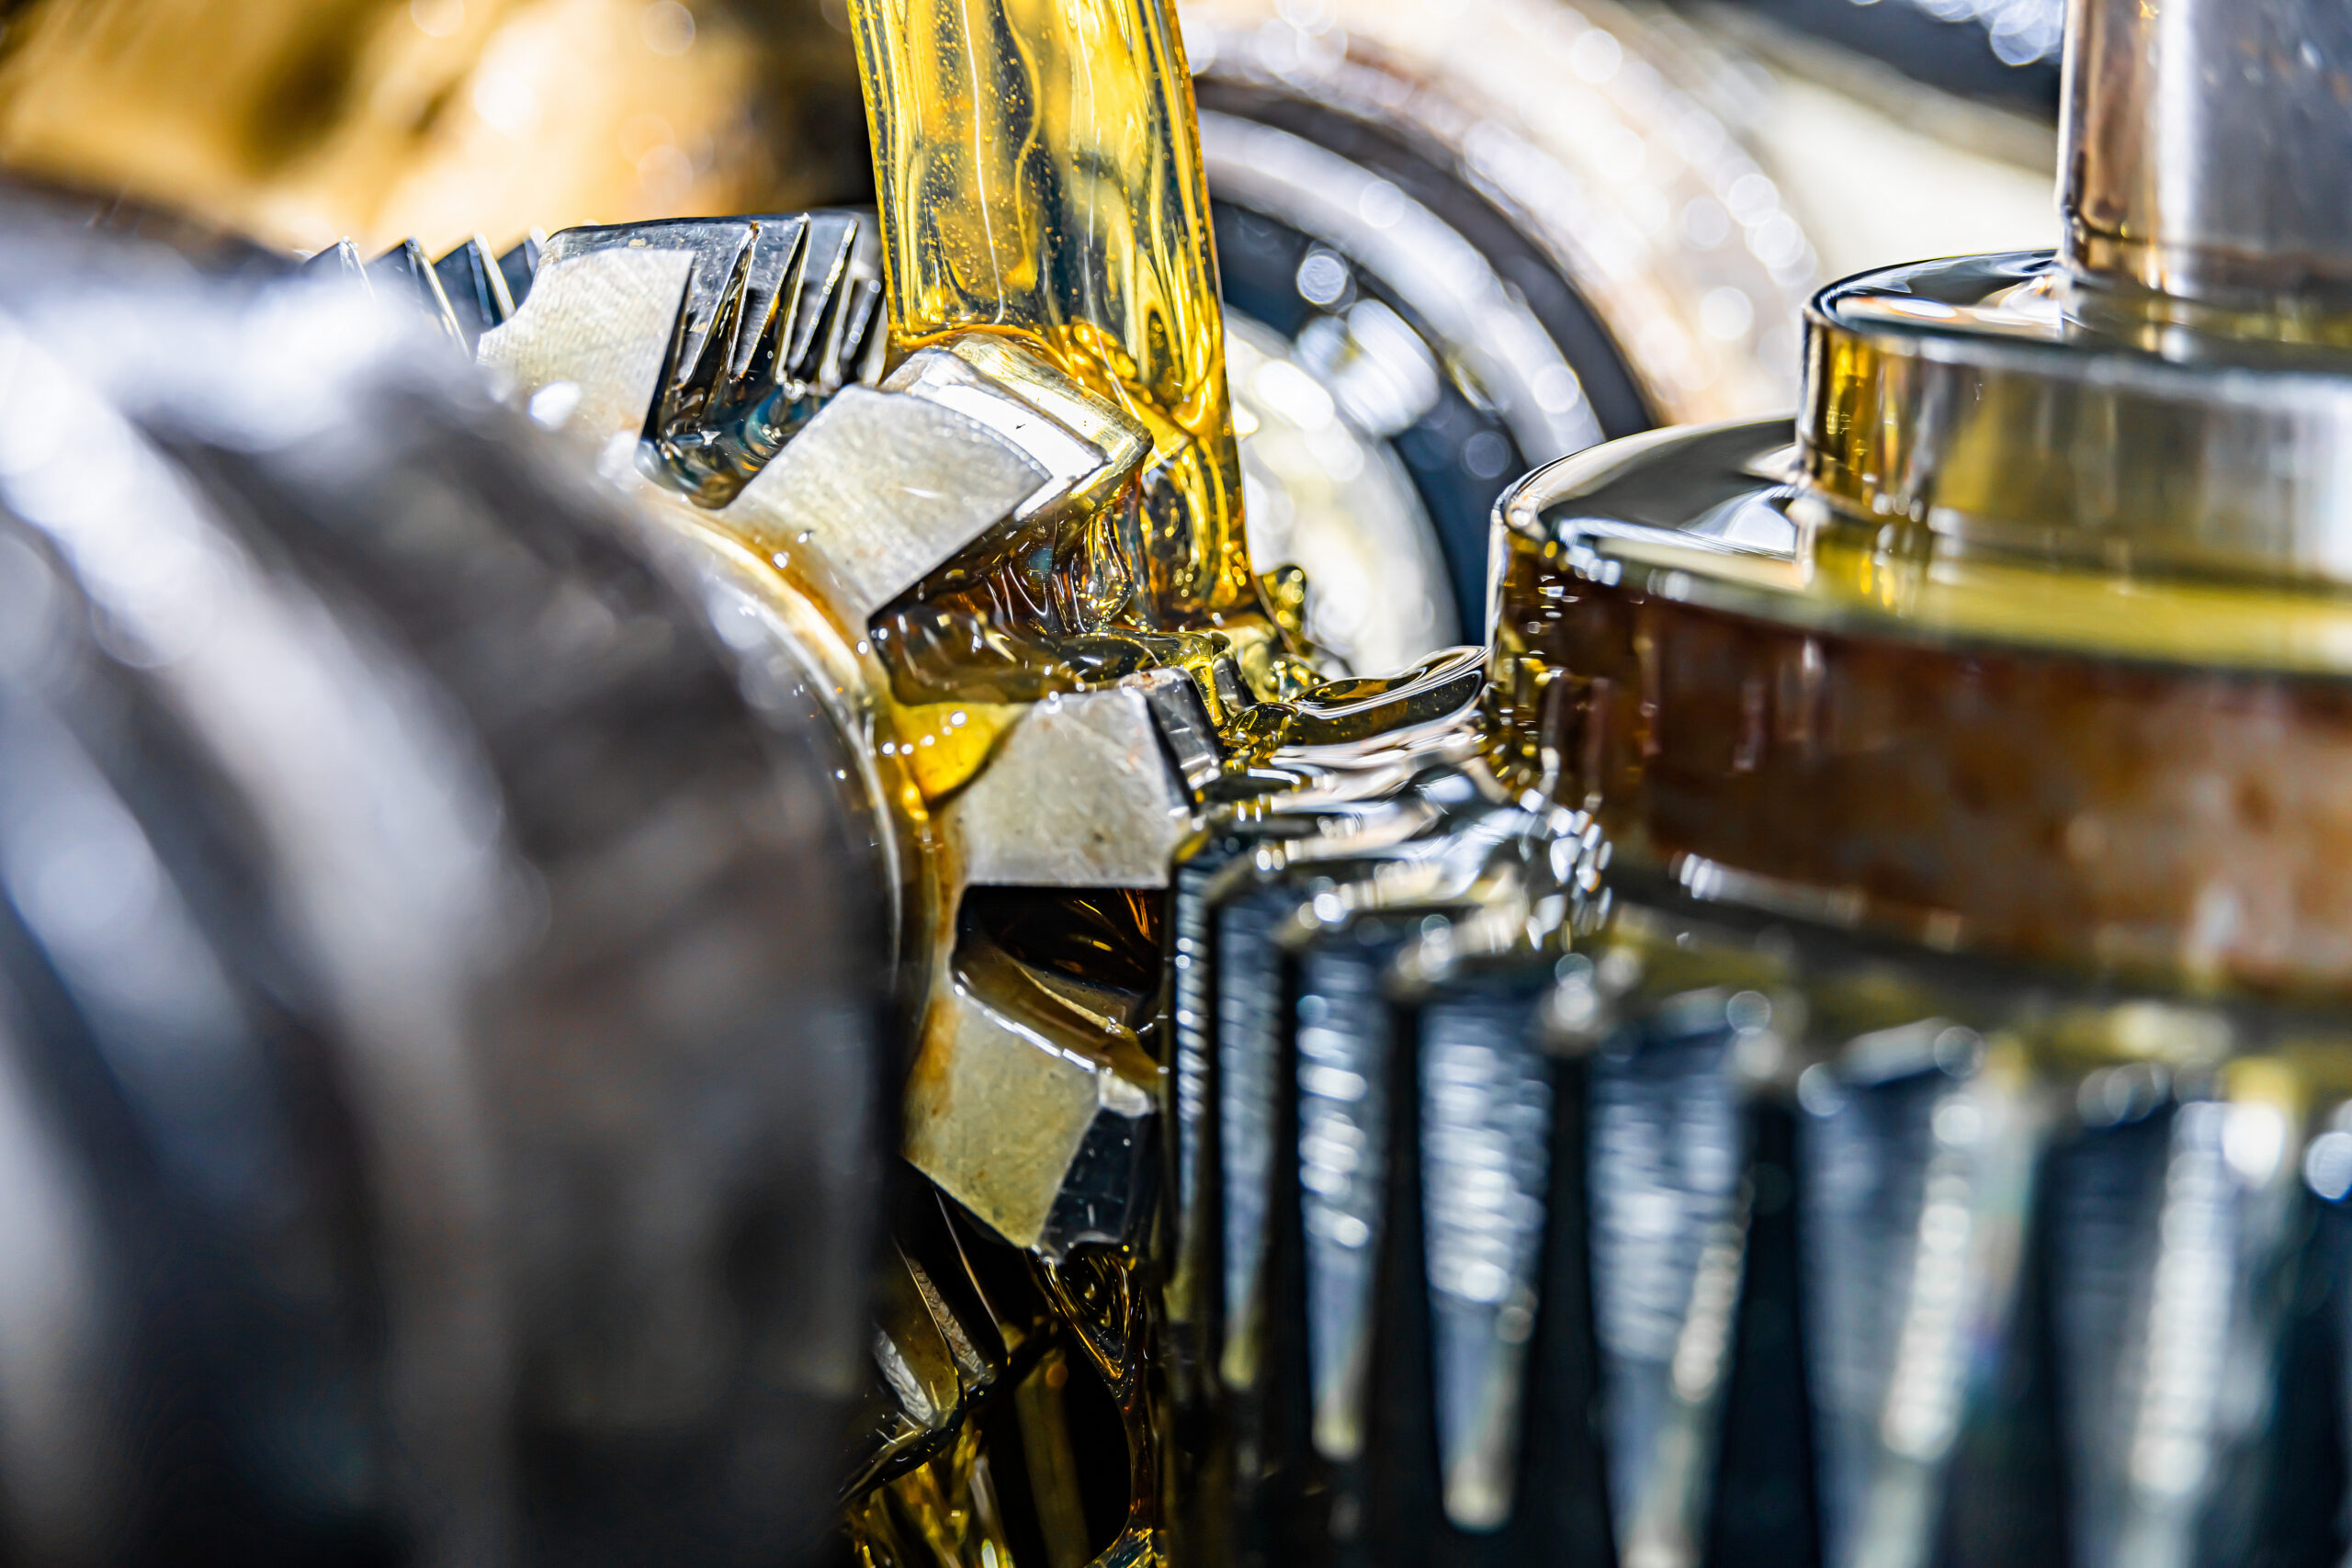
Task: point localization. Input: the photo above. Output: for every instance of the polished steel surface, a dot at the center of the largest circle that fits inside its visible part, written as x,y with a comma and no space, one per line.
2158,401
2206,147
1822,1043
1959,400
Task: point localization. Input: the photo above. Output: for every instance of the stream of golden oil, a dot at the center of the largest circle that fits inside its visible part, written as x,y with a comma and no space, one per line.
1038,172
1038,175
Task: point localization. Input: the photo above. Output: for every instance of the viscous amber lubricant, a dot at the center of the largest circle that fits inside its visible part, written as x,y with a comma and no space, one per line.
1038,171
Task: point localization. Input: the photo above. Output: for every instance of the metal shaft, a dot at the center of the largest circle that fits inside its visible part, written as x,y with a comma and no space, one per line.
2207,159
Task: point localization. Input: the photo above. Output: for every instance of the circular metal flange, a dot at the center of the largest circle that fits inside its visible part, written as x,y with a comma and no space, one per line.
1775,708
1966,398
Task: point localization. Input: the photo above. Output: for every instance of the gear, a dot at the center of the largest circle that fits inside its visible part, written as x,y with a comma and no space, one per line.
1755,1063
443,972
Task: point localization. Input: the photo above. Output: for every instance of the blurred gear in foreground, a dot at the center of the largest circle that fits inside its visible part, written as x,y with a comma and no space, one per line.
441,977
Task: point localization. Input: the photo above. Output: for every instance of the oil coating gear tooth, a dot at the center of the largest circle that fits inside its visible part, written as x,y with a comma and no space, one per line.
880,490
885,487
1050,1148
1119,810
1087,447
809,307
880,486
959,1318
1182,720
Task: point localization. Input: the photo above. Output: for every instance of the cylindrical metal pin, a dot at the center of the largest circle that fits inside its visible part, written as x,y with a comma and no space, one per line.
2206,169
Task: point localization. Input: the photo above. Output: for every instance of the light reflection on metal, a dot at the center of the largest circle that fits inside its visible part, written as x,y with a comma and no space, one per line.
1669,1239
1367,220
2019,31
1680,242
2048,1164
1327,495
1918,1183
1345,1061
2170,1315
2204,144
316,909
1248,1018
1487,1123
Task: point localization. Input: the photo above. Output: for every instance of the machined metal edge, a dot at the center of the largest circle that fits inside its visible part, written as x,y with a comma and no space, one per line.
1968,398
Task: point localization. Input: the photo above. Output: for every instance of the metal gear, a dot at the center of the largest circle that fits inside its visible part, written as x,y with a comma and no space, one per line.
1788,1054
443,972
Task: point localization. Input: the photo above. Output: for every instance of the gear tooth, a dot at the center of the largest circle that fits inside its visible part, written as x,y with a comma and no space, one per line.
777,312
699,383
832,239
716,246
855,361
405,270
340,259
403,265
519,264
767,305
475,289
